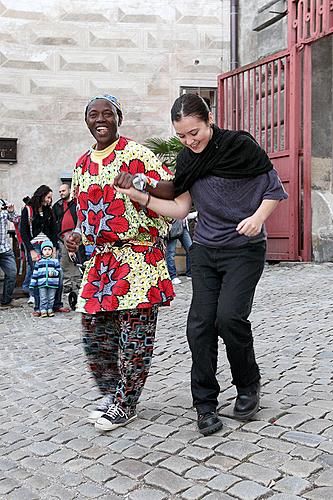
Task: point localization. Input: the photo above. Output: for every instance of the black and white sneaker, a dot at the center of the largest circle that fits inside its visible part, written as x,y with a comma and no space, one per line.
114,417
102,408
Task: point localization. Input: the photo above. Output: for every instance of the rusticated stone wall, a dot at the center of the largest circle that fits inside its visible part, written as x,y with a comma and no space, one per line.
55,54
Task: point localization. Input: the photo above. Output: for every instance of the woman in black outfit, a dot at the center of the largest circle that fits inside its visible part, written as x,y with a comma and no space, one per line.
234,188
37,225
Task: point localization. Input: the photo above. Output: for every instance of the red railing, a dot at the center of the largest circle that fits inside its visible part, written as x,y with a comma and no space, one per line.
255,98
309,20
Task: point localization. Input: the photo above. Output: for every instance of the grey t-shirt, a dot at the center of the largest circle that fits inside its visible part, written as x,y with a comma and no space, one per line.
223,203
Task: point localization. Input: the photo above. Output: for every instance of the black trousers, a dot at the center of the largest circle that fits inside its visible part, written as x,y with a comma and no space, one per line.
224,282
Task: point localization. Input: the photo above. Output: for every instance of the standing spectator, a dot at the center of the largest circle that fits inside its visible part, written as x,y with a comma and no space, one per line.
126,279
37,225
185,239
45,277
7,258
64,211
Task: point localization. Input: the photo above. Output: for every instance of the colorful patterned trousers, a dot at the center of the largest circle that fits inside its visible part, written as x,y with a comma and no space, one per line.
119,347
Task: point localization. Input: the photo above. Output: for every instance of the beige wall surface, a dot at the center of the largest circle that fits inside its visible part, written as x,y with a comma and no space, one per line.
55,54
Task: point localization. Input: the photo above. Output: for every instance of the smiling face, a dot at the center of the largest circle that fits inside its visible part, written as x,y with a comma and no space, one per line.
194,132
102,121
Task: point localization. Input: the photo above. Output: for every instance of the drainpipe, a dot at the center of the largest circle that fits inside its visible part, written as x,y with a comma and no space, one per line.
234,63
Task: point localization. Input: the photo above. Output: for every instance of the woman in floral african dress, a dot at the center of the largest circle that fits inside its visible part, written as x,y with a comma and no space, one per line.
126,280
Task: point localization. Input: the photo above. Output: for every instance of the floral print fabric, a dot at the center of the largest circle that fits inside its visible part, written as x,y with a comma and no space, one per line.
127,270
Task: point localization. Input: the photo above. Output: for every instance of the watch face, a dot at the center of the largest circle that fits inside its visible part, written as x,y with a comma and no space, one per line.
139,183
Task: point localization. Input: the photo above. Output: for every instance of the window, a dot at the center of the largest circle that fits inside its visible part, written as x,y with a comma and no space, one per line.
208,92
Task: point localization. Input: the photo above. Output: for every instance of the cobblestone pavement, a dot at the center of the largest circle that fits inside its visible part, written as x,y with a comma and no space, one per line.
49,450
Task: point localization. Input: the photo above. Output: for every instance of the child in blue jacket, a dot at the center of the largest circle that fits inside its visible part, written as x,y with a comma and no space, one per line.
45,276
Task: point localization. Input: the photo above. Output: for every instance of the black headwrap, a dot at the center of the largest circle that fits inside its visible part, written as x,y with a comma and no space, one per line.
229,154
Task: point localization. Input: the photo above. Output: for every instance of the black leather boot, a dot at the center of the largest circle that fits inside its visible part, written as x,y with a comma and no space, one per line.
209,422
247,402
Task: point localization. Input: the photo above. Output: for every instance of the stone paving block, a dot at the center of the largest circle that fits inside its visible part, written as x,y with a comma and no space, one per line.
149,441
38,481
62,456
201,473
78,464
136,452
147,494
319,494
71,479
300,468
305,453
159,430
325,478
197,453
274,431
133,468
94,452
273,458
276,445
59,492
253,472
110,459
99,473
8,485
79,444
43,449
210,442
248,490
292,485
170,446
6,464
304,438
32,463
222,482
121,484
176,464
316,426
18,474
292,420
90,490
167,480
155,457
120,445
222,463
238,449
195,493
23,494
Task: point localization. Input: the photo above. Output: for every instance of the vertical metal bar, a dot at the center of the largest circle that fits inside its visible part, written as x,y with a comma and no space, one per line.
237,101
292,30
307,152
294,113
242,101
226,103
266,107
254,104
220,102
248,101
260,105
286,108
272,105
278,116
232,117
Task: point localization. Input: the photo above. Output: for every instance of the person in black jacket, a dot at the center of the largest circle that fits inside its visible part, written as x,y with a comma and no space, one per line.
64,211
37,225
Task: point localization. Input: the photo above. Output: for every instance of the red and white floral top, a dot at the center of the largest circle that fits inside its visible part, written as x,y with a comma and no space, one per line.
127,269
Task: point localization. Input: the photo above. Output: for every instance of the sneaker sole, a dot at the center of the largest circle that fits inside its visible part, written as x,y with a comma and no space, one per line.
107,426
248,415
211,429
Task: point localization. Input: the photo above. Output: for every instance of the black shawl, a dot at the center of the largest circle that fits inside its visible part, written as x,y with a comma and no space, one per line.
229,154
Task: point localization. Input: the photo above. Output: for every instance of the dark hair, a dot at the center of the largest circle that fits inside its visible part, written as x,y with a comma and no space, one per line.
36,201
190,105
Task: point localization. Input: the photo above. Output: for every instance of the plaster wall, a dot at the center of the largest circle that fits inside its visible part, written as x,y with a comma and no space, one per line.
55,54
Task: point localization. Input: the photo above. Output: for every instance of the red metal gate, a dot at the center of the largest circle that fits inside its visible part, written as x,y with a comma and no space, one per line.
271,98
